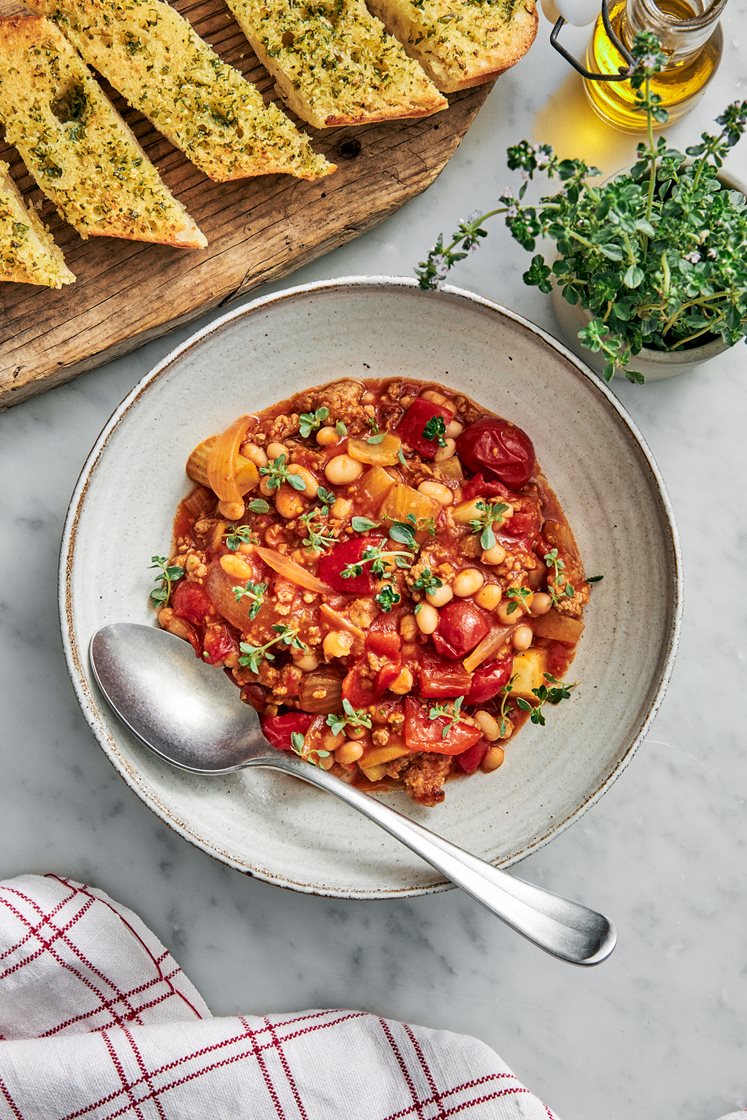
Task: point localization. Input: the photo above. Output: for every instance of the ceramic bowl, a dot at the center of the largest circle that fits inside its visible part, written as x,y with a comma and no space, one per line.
121,512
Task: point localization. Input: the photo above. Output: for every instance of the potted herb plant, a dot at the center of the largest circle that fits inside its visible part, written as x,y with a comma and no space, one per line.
650,271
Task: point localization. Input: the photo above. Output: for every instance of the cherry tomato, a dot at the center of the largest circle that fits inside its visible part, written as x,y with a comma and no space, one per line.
498,447
411,428
425,734
525,522
488,680
218,643
341,556
382,636
480,487
361,688
192,603
278,729
439,678
470,759
462,624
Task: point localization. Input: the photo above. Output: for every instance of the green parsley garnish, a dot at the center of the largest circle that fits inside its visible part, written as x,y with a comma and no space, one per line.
169,574
561,588
276,474
559,691
253,591
309,422
350,717
490,512
427,582
253,656
435,431
451,712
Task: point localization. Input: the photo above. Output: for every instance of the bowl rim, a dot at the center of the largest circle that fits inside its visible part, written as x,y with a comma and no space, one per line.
76,658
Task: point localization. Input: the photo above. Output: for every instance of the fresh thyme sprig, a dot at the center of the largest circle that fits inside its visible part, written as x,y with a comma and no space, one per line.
318,535
253,656
451,712
560,587
255,592
350,717
427,582
309,422
388,597
298,744
381,560
558,691
505,725
169,574
277,472
490,512
363,524
518,597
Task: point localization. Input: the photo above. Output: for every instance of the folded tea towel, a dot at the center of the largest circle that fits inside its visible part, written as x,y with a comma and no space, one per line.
97,1022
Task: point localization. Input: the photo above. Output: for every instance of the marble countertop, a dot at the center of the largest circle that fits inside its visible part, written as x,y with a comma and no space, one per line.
657,1031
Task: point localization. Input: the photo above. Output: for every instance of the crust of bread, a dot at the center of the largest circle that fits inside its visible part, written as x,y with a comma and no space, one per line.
334,63
28,253
475,51
77,147
153,56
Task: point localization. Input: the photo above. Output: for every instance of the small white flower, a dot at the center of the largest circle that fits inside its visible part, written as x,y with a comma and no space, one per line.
540,156
512,212
473,217
693,257
440,268
524,175
712,254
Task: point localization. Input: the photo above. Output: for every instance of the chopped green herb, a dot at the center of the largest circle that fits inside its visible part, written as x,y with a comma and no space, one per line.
341,429
435,430
380,559
490,513
253,656
401,457
403,532
377,438
298,743
363,524
326,496
560,588
350,717
518,597
373,424
427,582
318,535
451,712
309,422
504,717
277,473
258,505
253,591
388,597
169,574
559,691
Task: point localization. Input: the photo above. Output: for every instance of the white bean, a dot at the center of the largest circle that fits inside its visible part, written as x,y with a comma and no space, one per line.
427,619
342,470
467,582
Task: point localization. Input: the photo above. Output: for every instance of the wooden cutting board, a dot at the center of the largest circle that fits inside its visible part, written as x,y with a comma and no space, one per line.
258,230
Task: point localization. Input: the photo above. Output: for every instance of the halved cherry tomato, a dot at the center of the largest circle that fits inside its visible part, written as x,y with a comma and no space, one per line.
278,729
192,603
382,636
498,447
488,680
470,759
481,487
525,522
462,624
411,428
218,643
438,678
341,556
425,734
362,688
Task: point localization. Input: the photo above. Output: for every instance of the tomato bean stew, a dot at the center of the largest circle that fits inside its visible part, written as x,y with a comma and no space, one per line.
385,573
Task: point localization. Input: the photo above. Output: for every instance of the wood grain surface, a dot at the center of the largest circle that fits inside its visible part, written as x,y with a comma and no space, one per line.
258,230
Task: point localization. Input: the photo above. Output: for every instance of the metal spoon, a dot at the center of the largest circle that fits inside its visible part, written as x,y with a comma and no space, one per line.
189,714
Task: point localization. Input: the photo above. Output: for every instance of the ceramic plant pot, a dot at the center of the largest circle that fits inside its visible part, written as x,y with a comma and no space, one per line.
655,365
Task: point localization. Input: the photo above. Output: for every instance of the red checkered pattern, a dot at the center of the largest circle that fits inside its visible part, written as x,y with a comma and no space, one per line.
98,1022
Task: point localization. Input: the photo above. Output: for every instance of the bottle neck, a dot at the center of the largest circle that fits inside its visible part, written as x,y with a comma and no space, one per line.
683,26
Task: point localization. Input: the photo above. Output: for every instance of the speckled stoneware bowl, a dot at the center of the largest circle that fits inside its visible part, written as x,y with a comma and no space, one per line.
272,826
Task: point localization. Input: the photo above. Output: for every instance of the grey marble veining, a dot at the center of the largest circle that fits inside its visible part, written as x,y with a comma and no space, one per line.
658,1031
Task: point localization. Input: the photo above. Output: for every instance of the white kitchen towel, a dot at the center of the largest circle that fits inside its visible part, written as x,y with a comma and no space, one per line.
97,1022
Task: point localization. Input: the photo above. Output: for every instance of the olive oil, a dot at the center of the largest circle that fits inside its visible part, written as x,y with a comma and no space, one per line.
691,39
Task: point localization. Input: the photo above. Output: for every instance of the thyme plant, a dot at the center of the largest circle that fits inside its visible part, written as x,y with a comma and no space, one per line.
657,255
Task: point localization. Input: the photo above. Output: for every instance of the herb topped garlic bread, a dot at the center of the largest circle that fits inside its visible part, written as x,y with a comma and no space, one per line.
76,146
461,43
334,63
28,254
158,62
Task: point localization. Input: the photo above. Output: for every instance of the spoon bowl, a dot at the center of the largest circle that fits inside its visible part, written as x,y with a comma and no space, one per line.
189,714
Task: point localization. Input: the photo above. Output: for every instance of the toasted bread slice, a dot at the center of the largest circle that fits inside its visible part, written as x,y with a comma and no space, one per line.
334,63
28,254
461,43
158,62
76,146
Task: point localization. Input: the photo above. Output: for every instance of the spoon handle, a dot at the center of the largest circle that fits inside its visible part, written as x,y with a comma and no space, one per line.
561,927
